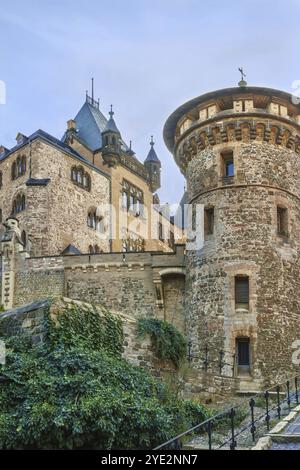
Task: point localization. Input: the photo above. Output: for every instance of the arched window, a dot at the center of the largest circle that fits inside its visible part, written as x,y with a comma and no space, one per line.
80,177
19,204
74,174
97,250
18,167
23,165
92,219
14,171
91,249
23,237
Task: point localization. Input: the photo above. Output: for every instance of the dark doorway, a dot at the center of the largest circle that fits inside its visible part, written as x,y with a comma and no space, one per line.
243,355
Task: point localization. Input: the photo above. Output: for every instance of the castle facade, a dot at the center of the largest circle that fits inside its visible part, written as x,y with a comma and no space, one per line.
236,295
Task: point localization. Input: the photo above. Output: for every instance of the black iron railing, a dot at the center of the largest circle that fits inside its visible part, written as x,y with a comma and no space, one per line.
257,415
212,362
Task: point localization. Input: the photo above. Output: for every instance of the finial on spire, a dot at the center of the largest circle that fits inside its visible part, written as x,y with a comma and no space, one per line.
130,145
242,82
111,113
152,141
93,89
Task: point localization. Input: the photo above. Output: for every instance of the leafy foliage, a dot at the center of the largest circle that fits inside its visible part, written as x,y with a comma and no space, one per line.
74,391
168,342
85,327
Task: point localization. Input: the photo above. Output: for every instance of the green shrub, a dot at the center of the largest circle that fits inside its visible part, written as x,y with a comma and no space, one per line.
168,342
74,391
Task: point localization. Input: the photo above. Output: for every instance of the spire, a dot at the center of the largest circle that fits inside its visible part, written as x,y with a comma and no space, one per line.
111,125
152,156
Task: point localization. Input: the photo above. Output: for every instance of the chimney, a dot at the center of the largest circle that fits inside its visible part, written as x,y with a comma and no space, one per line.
71,125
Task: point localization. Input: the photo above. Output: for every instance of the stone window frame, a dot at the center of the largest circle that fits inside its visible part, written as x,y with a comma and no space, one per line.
134,198
95,221
18,167
240,336
221,151
240,271
209,213
283,203
19,204
282,219
81,178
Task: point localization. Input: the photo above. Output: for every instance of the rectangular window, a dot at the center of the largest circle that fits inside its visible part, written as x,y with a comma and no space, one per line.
243,355
228,165
131,203
209,216
282,221
160,231
242,292
124,200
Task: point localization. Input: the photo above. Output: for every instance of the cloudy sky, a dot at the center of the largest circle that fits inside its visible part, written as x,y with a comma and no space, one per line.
147,57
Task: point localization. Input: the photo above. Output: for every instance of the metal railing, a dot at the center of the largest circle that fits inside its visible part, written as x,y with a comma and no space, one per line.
208,364
261,410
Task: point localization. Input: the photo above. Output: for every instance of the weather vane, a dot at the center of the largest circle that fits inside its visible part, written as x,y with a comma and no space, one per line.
243,75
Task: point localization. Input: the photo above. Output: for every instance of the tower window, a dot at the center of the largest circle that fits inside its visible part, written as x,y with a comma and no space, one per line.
242,292
243,355
0,179
227,164
282,221
209,216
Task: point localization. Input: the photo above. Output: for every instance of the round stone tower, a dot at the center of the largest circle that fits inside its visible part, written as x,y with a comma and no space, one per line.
239,149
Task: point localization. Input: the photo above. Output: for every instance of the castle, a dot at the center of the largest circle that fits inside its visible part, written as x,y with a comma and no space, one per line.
236,297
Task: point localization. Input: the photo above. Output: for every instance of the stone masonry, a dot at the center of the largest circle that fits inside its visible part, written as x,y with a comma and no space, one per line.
258,129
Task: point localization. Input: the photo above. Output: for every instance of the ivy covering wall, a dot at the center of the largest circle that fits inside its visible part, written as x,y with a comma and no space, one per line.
74,390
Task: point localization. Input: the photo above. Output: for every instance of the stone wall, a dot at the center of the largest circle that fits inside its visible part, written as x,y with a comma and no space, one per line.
56,210
37,279
245,242
188,382
131,285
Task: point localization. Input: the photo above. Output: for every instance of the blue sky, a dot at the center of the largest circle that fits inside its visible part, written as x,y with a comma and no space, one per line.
147,57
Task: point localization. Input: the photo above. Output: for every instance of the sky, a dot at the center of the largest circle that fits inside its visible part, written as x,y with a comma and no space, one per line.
147,58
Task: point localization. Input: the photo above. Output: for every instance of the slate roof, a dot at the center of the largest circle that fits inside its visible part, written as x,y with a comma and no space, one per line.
71,250
57,143
152,156
90,123
111,126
